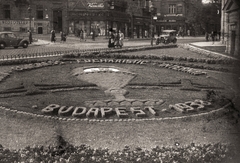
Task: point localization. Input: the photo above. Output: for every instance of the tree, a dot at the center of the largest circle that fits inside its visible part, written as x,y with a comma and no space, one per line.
194,16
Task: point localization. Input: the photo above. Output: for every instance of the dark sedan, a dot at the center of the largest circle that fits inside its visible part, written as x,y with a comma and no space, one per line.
9,39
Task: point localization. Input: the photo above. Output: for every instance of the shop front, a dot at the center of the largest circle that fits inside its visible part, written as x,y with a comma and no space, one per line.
140,27
170,23
97,21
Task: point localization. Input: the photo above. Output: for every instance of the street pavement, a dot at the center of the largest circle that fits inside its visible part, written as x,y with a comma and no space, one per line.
42,44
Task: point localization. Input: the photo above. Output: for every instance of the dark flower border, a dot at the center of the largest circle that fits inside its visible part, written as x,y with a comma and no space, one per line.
67,153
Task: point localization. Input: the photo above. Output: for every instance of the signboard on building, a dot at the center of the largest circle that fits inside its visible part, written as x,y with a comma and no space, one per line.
13,22
95,5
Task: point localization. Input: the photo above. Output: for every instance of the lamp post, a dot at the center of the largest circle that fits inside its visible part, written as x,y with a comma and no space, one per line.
47,20
29,12
152,26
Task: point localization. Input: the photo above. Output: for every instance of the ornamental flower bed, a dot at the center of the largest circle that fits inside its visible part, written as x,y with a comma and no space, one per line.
67,153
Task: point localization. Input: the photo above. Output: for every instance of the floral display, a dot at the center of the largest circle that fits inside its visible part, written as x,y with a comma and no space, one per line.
67,153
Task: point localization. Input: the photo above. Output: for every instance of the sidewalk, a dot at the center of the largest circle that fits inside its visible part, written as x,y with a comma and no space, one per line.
208,46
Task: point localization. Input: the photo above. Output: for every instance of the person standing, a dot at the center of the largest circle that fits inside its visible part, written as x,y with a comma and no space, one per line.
206,36
62,37
121,37
212,36
188,32
30,36
93,35
84,34
111,38
53,36
81,34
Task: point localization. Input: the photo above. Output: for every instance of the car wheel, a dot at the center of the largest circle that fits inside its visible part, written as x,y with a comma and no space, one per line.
162,40
2,45
174,41
15,47
25,45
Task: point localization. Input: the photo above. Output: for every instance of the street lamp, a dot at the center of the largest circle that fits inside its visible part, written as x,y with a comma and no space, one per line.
47,20
29,12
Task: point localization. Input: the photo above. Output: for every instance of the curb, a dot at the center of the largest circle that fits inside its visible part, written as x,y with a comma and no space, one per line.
205,52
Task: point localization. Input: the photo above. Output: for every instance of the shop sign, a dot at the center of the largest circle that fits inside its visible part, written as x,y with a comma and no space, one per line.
14,22
162,21
95,5
173,15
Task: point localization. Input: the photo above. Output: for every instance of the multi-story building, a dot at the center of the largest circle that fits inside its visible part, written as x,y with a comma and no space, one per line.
171,14
132,17
40,15
230,26
97,15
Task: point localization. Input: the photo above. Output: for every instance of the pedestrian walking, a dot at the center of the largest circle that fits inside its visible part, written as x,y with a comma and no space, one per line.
30,36
53,36
213,37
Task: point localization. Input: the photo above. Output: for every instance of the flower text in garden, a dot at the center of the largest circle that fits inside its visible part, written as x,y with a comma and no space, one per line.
122,112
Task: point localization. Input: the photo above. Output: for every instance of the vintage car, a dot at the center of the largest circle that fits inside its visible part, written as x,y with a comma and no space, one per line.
9,39
166,37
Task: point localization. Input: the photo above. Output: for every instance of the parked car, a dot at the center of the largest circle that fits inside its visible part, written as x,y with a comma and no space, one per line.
166,37
9,39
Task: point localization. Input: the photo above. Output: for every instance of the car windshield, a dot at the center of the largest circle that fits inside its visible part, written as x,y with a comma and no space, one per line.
165,33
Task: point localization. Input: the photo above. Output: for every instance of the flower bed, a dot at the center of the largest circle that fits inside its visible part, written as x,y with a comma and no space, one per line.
151,57
65,152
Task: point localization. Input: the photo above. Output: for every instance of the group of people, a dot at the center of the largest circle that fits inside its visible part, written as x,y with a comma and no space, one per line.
213,35
62,35
115,39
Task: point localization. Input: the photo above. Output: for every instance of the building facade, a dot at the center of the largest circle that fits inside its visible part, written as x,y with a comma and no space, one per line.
230,27
133,17
171,14
40,15
97,16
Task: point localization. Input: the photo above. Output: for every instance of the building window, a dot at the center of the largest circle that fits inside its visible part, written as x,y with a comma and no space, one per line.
179,9
39,12
22,29
7,13
172,9
6,28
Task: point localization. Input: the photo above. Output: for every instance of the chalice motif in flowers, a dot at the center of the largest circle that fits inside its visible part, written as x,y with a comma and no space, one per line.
112,80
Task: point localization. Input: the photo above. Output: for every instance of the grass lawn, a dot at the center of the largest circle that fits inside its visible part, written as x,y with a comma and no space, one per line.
58,85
